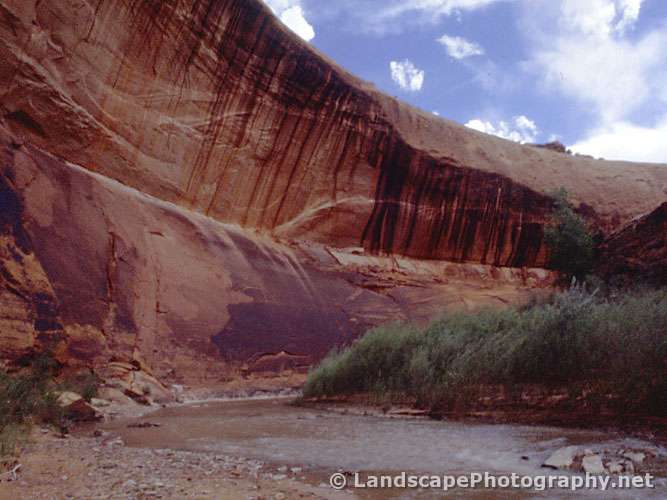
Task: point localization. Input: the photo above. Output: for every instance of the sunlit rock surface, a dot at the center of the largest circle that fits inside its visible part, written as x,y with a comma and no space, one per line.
109,273
188,185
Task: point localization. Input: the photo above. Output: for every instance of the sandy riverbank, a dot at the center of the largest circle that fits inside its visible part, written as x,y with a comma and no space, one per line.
88,466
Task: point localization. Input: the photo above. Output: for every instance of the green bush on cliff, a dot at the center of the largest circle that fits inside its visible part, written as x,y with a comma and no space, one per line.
613,345
569,240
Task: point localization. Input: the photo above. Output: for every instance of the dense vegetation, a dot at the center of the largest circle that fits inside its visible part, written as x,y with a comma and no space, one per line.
615,344
569,240
30,396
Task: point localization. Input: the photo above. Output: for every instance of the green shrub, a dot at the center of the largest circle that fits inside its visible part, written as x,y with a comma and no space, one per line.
569,240
618,343
371,366
30,396
22,399
25,396
11,436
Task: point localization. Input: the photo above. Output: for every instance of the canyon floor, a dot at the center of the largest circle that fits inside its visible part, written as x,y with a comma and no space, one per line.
270,449
99,467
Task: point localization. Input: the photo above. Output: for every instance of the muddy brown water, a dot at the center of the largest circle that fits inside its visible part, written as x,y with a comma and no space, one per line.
320,442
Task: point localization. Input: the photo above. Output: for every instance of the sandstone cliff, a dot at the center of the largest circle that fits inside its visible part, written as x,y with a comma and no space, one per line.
187,184
637,252
213,105
104,272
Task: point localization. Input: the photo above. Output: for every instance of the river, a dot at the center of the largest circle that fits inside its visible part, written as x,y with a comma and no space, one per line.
320,443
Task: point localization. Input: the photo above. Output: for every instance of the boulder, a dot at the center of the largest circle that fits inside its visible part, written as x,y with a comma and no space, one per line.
76,408
80,411
114,395
592,464
615,467
563,458
629,466
637,457
66,398
100,403
134,382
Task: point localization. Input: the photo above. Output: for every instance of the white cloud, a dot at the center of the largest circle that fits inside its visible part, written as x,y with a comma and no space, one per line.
587,55
435,8
394,16
295,20
406,75
589,58
626,141
460,48
629,14
520,129
600,17
291,13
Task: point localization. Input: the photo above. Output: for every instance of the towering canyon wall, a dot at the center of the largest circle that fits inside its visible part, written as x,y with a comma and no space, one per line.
213,105
186,183
98,271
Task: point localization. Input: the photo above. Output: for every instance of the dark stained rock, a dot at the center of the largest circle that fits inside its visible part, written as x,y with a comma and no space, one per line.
638,252
188,187
145,289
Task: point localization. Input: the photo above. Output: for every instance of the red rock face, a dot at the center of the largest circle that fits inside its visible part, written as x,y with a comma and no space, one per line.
213,105
638,252
187,185
434,210
102,272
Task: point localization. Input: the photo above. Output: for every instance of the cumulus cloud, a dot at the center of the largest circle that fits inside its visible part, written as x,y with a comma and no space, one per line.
295,20
519,129
626,141
590,58
460,48
600,18
629,14
291,13
406,75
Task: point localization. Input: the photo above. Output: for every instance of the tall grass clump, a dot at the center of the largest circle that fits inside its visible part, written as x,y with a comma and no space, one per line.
31,396
378,363
614,344
25,398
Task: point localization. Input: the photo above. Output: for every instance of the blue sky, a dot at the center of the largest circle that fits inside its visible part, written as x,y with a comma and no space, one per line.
589,73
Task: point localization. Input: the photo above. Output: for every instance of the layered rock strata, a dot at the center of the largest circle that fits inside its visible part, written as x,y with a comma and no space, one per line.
188,187
101,272
215,106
